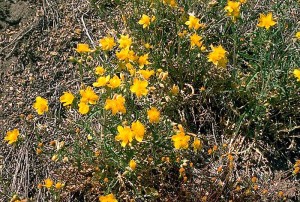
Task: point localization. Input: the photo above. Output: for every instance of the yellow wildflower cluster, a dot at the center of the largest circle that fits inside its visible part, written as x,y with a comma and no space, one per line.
41,105
125,41
266,21
114,82
67,98
146,20
233,9
102,81
132,164
218,56
83,48
181,141
139,87
88,96
116,105
48,183
133,98
146,74
99,70
12,136
126,133
193,22
153,115
107,43
196,40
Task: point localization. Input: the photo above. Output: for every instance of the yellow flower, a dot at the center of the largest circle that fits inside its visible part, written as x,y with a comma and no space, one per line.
83,48
243,1
132,56
197,144
107,43
254,179
280,194
48,183
99,70
38,151
67,98
59,185
297,74
230,157
88,96
125,41
153,115
175,90
233,9
39,186
196,40
132,164
145,21
12,136
266,21
54,157
40,105
83,108
126,55
182,34
181,141
139,87
193,22
138,130
146,73
143,60
297,163
116,104
123,54
218,56
108,198
101,81
171,3
215,148
89,137
163,76
181,170
148,45
16,198
296,170
114,82
158,71
298,35
125,135
130,68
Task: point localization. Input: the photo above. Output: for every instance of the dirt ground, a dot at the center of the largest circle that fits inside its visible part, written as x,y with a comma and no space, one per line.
36,40
35,44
